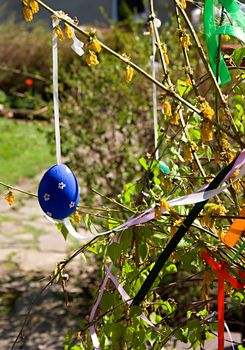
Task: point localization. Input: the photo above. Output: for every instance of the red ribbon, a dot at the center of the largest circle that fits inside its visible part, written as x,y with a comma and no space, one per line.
241,274
222,276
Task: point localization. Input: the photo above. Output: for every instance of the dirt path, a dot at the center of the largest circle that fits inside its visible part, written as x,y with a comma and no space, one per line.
30,247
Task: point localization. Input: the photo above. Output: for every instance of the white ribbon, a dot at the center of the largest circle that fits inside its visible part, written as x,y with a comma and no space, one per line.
77,45
154,96
93,334
82,238
229,334
55,92
210,319
125,297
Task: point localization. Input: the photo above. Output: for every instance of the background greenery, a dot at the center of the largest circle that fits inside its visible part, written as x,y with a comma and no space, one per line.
23,150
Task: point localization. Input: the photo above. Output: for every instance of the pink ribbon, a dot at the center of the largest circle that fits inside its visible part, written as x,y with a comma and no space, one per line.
125,297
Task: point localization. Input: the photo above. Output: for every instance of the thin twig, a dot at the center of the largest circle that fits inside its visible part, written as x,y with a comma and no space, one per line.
164,66
17,189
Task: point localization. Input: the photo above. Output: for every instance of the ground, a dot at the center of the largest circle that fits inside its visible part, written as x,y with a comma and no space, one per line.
30,247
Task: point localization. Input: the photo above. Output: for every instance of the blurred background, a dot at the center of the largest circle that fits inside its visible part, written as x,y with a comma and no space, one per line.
91,12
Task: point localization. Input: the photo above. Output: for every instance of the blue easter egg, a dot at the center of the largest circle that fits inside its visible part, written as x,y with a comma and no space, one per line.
58,192
163,168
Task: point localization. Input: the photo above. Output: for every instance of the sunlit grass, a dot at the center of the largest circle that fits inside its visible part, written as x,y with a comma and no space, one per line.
24,150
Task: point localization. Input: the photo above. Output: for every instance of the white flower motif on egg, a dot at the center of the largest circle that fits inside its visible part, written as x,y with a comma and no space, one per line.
46,197
72,205
61,185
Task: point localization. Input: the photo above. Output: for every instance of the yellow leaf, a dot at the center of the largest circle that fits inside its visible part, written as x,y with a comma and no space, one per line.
129,74
92,59
77,217
95,45
167,109
10,198
165,205
68,31
59,33
34,6
27,13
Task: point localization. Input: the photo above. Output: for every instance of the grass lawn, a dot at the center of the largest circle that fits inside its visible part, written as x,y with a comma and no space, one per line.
24,150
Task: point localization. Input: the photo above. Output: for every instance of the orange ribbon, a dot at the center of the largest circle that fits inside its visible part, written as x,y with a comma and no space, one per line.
235,230
222,276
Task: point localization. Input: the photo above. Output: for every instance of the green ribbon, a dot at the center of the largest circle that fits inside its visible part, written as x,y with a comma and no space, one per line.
240,250
236,30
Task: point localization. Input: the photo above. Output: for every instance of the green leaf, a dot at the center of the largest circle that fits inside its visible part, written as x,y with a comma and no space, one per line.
172,268
203,313
129,190
156,180
238,55
238,99
114,251
208,335
209,153
117,332
135,311
88,222
68,339
193,324
143,163
183,87
63,230
127,268
188,260
195,134
180,335
112,223
167,307
241,347
143,250
240,110
126,239
238,296
92,249
107,301
155,318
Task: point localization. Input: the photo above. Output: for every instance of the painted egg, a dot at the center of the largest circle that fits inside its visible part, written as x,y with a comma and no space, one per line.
163,168
58,192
